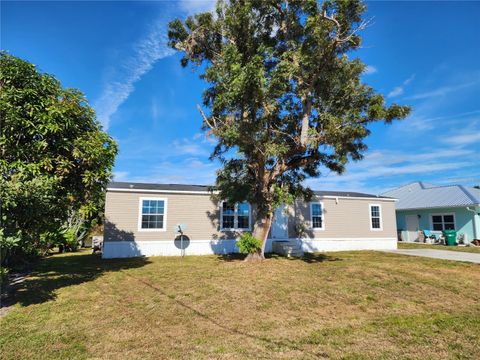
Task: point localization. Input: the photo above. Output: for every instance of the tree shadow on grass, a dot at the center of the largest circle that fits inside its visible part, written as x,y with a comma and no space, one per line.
231,257
310,258
65,270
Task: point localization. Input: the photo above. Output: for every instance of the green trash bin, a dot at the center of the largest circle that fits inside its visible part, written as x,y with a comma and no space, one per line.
450,237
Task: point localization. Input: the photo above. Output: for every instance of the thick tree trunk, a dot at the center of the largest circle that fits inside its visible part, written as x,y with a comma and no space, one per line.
261,231
254,257
307,110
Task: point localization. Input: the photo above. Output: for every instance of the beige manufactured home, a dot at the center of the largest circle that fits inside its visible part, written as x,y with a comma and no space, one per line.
144,219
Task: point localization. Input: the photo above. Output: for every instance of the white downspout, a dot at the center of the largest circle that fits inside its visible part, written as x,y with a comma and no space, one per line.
475,234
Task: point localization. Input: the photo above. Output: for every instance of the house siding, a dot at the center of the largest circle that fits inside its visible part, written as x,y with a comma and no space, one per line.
464,222
346,220
197,211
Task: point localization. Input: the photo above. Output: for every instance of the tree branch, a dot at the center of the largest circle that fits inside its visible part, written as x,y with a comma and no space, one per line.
205,119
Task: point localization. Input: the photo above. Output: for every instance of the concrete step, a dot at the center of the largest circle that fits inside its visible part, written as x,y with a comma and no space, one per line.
291,247
287,248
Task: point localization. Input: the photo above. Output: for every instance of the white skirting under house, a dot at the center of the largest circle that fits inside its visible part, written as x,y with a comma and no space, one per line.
124,249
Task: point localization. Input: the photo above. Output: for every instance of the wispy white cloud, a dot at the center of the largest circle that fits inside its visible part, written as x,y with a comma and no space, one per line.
399,90
205,138
471,178
390,166
420,122
370,70
197,6
463,139
442,91
120,175
396,91
187,146
191,170
146,52
155,109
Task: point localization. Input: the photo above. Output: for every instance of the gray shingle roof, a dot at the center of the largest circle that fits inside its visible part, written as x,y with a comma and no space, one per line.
168,187
183,187
420,195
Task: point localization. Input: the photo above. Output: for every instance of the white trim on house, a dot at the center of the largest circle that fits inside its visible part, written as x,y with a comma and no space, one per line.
355,198
140,206
123,249
139,190
437,207
348,244
430,218
322,215
235,218
380,217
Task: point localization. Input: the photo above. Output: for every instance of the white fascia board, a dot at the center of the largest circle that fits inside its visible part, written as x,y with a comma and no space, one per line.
161,191
355,198
437,207
216,192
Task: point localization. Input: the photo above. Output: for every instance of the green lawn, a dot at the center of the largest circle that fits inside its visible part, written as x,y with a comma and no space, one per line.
337,305
471,249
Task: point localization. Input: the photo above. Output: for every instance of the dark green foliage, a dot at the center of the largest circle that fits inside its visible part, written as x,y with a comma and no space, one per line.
284,99
55,159
249,244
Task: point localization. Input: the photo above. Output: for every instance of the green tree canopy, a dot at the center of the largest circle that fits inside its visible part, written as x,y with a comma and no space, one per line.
55,158
284,99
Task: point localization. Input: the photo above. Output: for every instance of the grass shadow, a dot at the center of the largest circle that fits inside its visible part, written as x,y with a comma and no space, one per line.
65,270
312,258
231,257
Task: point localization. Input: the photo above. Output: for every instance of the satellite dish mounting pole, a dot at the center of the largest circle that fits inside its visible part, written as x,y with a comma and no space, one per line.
182,250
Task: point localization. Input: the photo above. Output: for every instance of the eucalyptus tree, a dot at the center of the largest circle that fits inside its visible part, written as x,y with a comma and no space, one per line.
285,99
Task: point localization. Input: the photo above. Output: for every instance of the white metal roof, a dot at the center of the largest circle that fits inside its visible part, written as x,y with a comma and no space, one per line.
419,195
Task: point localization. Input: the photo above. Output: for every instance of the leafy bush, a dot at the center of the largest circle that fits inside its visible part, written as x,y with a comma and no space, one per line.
3,274
8,244
249,244
70,238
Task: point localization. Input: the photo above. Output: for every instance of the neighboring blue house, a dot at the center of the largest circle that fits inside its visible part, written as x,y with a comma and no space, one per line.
423,206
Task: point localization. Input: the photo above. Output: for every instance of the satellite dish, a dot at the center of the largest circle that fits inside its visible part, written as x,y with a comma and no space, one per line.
182,242
180,228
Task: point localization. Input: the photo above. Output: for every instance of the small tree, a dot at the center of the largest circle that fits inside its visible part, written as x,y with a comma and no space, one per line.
55,159
284,100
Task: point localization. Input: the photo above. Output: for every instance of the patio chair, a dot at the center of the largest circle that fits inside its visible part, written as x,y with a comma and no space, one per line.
430,237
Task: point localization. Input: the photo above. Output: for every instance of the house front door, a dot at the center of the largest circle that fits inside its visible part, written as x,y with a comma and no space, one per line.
279,228
412,227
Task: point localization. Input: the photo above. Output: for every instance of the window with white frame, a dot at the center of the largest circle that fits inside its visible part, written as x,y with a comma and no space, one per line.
375,217
235,216
316,214
442,222
152,214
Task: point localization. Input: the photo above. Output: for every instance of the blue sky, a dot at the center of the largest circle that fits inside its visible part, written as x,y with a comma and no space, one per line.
423,54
